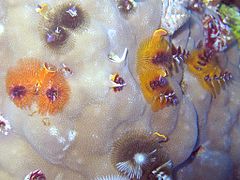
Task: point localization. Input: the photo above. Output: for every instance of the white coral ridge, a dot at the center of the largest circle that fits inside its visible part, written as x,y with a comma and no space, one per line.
174,15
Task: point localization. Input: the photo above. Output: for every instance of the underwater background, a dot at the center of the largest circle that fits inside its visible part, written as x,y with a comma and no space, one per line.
120,90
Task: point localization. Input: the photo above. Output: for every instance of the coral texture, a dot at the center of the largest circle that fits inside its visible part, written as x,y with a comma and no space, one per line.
84,81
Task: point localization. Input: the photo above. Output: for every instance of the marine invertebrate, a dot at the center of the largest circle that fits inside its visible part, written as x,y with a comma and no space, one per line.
94,110
157,91
117,82
179,55
48,68
56,37
33,80
56,23
154,62
116,59
112,177
53,94
162,136
70,15
206,68
231,16
154,54
35,175
217,34
43,9
126,6
5,126
136,154
164,171
45,70
21,82
65,70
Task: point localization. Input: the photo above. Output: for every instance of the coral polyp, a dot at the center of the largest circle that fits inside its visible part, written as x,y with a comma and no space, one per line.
136,154
206,68
21,82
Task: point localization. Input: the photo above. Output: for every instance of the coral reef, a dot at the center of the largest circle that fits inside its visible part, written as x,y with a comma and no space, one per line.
33,80
119,90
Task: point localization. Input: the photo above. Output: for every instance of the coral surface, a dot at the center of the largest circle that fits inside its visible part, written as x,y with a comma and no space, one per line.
88,93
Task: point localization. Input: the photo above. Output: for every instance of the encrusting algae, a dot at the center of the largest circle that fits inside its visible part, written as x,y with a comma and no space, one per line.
231,16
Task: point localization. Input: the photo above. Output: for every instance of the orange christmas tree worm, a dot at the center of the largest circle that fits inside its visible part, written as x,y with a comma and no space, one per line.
154,63
35,81
206,68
